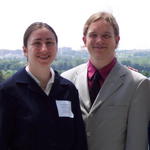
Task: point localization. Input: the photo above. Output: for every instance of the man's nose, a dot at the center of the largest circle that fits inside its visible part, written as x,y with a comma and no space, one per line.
99,38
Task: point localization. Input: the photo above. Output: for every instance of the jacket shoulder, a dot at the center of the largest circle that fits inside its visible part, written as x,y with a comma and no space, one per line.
10,82
130,75
71,73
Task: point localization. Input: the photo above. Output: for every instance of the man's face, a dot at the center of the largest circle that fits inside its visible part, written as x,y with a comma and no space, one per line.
100,40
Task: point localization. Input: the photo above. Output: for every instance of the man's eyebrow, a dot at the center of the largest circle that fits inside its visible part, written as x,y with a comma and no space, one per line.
93,32
107,32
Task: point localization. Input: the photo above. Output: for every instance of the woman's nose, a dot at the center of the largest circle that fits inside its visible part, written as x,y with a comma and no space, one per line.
44,47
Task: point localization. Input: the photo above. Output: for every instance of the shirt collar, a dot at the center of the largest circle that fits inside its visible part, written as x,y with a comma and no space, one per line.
103,71
50,82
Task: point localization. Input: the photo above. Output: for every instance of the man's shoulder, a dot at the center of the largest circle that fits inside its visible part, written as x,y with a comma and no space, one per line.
71,73
132,75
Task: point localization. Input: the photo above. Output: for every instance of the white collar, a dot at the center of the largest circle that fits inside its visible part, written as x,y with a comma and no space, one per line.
50,82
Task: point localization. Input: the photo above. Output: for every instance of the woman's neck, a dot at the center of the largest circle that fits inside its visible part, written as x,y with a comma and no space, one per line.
42,74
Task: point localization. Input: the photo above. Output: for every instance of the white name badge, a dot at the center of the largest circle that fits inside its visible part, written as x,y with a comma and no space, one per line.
64,108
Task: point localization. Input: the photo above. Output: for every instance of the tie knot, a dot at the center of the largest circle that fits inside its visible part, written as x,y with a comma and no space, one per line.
96,75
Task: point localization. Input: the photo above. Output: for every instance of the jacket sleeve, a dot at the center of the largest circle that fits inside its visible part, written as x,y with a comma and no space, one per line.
139,116
6,121
80,134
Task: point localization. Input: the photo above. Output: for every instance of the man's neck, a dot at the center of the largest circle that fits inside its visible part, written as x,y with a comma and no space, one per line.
101,63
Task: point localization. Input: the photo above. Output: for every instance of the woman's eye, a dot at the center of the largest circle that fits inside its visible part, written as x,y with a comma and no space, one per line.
50,43
37,43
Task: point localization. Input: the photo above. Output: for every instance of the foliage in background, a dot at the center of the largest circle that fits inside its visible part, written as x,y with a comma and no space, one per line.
68,58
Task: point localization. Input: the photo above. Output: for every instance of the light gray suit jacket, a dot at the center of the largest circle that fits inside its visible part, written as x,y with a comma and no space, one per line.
118,119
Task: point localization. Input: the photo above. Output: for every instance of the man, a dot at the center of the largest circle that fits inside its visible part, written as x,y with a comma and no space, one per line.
117,118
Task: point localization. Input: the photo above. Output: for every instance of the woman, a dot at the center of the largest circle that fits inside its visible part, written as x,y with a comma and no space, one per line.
39,110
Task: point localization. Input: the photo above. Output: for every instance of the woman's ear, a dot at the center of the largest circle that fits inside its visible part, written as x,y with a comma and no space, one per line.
84,40
25,51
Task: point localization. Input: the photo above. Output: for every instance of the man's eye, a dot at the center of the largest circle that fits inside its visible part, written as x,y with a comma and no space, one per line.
93,35
106,36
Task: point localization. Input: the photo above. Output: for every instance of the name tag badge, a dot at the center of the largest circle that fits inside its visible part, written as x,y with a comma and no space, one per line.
64,108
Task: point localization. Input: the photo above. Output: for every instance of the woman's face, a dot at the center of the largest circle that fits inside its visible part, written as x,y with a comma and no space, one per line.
41,48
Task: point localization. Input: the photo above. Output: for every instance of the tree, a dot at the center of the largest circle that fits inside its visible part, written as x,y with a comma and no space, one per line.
1,76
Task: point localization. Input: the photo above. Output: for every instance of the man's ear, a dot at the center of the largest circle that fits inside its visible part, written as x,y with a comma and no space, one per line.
117,39
25,51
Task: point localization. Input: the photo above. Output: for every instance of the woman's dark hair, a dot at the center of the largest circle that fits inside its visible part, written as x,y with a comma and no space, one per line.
35,26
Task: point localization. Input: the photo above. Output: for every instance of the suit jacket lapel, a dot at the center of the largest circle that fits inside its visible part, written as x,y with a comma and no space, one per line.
112,83
82,86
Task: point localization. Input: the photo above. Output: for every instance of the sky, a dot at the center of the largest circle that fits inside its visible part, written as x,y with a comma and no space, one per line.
67,17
